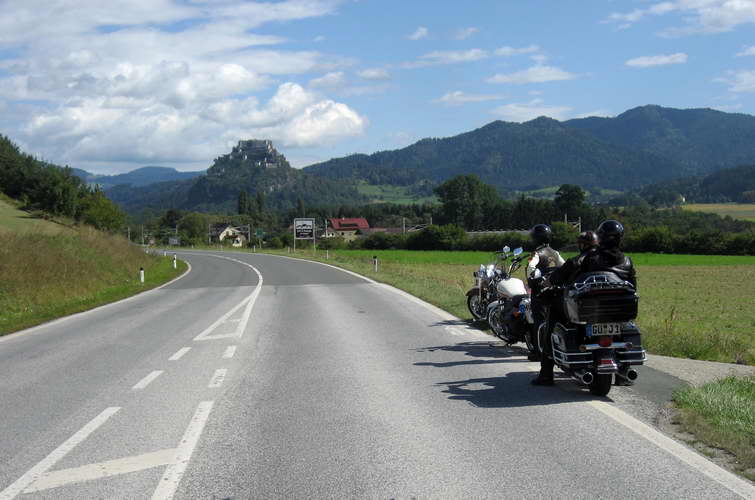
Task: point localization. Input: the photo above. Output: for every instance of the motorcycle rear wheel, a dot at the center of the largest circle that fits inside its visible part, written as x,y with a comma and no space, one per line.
473,304
601,384
494,320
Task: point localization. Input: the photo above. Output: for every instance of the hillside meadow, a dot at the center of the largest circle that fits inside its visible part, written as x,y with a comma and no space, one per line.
691,306
742,211
52,269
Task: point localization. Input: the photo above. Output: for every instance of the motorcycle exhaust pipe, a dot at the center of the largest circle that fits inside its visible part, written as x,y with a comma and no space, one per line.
583,377
630,374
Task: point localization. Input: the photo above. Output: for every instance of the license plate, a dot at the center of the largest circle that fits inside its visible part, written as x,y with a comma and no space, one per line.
606,329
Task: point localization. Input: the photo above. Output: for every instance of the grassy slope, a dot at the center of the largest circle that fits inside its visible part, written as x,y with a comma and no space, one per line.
50,270
392,194
744,211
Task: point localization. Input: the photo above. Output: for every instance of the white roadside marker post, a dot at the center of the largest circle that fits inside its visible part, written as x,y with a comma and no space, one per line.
175,265
375,262
141,275
327,254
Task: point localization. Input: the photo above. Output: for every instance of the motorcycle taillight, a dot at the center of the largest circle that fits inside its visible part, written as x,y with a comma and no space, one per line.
605,341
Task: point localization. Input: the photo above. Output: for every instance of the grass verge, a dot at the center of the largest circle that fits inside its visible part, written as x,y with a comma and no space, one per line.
722,414
49,276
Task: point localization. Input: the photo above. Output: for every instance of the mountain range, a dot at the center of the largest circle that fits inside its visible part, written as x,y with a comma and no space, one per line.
640,147
143,176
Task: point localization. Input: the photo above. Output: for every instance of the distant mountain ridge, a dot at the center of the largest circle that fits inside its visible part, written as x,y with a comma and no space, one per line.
641,146
143,176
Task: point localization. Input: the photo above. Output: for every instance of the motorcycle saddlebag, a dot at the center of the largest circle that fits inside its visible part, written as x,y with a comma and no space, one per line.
600,297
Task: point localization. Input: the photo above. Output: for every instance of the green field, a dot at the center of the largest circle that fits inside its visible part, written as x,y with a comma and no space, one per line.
392,194
743,211
14,220
692,306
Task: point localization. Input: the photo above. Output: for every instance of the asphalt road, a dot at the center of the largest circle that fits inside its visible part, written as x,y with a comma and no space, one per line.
257,376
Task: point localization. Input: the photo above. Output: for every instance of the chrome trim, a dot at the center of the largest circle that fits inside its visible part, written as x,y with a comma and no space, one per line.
614,345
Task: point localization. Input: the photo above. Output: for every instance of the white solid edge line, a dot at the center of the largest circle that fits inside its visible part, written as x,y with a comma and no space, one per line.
46,463
686,455
667,444
179,354
217,378
33,329
147,380
174,473
229,352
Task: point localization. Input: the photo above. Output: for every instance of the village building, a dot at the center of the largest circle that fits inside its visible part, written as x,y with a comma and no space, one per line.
346,228
223,231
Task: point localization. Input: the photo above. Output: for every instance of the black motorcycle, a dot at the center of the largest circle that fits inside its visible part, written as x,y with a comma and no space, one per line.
598,339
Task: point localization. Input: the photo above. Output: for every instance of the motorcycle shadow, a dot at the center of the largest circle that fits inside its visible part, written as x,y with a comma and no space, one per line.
492,352
514,390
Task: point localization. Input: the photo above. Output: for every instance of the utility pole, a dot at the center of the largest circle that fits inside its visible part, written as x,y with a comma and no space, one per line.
142,234
128,233
403,225
209,234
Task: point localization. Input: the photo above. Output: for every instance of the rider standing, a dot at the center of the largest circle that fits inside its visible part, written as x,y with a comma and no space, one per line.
545,259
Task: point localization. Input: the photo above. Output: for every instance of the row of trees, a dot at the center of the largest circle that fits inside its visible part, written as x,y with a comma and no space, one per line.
54,190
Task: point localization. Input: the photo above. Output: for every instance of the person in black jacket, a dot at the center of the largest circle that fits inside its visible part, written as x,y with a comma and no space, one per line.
605,257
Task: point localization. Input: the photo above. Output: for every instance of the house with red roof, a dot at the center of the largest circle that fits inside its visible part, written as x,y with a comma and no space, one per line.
346,228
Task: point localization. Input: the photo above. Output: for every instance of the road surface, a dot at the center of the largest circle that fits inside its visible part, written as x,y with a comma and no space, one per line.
257,376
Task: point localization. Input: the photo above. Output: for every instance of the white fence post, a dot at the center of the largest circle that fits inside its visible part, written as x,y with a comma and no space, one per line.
141,275
375,262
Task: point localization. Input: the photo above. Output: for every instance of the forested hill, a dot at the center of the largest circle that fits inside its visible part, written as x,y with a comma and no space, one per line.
252,167
641,146
703,140
726,185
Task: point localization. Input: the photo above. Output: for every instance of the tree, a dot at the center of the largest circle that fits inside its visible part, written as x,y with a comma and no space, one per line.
260,201
300,211
102,213
465,200
569,198
243,203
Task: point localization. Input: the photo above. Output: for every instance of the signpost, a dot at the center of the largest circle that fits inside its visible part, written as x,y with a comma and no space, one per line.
304,229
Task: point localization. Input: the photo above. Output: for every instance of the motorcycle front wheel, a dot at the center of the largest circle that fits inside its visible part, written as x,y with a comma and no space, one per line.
601,384
476,307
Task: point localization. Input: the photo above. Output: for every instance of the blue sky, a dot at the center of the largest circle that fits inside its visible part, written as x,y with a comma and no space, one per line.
111,86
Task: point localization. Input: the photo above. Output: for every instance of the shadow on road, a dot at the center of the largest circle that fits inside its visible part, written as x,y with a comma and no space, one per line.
492,351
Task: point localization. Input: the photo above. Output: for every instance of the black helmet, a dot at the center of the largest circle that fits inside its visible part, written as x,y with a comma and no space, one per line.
541,234
587,239
610,233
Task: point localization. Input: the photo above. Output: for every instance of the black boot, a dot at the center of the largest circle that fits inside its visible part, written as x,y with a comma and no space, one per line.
540,380
534,356
545,377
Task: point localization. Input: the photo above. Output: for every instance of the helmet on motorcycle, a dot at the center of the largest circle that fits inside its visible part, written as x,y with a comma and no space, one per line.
586,240
610,233
541,234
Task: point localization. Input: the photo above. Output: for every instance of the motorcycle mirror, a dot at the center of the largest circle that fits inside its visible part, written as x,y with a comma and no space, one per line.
518,251
506,249
536,274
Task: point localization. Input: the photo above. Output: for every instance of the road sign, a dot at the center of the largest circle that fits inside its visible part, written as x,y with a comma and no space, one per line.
259,232
304,229
174,241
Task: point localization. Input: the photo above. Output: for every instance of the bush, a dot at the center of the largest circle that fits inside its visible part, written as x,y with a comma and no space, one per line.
450,237
650,239
385,241
495,242
563,234
275,242
331,243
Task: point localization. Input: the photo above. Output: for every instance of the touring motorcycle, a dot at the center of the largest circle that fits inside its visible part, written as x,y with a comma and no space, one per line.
484,290
598,338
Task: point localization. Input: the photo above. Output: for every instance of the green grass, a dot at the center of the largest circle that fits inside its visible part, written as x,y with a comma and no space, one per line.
691,306
48,273
13,219
743,211
392,194
722,414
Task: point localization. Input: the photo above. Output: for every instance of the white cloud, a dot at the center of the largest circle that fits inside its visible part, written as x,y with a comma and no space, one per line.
747,51
507,51
447,57
319,38
374,74
659,60
464,33
420,33
522,112
458,97
328,81
699,16
534,74
156,85
739,81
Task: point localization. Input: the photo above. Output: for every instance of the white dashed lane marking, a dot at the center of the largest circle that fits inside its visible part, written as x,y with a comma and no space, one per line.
217,378
179,354
229,352
147,380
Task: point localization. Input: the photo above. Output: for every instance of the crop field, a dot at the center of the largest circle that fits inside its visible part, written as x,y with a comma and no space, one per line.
392,194
743,211
691,306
